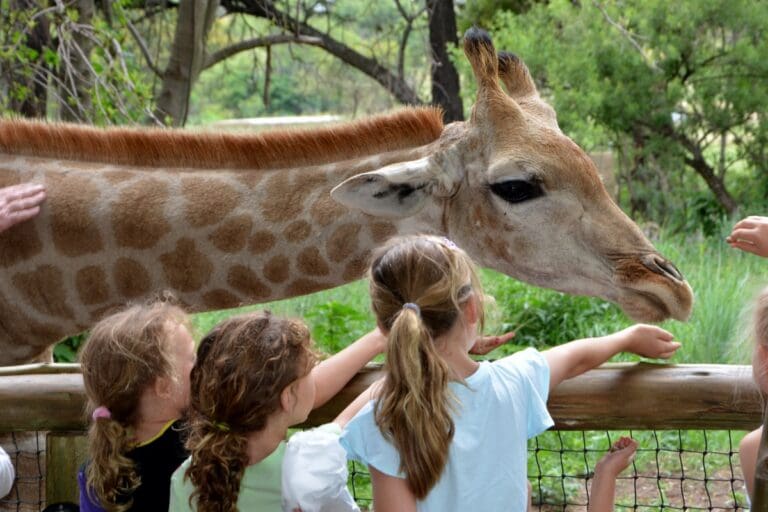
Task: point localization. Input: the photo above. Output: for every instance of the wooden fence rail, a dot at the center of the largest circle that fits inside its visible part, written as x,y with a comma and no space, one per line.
612,397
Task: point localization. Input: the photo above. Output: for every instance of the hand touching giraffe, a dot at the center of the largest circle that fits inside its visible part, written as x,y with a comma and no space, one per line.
19,203
750,235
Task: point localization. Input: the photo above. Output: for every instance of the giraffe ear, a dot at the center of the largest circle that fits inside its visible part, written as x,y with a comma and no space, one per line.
395,191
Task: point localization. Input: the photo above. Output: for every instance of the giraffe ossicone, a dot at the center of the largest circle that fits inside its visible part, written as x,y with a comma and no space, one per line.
223,220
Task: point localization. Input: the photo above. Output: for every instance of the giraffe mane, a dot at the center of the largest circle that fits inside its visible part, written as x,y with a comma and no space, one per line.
161,147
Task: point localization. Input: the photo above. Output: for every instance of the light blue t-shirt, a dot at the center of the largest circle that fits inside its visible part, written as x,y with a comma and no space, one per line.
503,404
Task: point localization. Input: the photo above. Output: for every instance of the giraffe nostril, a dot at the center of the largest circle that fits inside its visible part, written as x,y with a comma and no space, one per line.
659,265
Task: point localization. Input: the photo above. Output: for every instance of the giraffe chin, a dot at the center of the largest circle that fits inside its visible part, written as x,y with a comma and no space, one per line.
657,305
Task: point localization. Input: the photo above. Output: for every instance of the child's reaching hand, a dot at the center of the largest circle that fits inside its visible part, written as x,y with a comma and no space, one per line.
622,452
601,496
750,235
649,341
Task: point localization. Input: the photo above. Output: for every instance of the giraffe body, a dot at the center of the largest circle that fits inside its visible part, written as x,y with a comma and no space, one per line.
225,220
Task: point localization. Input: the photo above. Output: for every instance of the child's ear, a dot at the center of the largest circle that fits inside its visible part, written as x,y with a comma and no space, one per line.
163,387
288,398
471,310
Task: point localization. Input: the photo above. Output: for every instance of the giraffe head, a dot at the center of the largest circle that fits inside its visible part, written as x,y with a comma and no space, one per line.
522,198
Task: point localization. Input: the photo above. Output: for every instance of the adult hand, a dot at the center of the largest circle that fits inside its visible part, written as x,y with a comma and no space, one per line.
19,203
487,343
649,341
750,235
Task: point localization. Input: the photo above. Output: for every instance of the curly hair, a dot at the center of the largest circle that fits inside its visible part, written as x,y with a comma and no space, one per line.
242,367
124,354
414,407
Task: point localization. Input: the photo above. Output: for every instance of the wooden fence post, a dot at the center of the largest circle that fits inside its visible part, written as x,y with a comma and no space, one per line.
65,452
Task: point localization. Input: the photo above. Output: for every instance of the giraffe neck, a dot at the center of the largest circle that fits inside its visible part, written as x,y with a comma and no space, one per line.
215,239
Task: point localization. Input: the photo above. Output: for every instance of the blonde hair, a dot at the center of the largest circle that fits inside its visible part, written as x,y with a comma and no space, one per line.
415,406
760,318
124,354
242,367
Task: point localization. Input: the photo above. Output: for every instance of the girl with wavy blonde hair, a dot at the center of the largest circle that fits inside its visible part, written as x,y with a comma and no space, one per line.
135,366
256,376
448,433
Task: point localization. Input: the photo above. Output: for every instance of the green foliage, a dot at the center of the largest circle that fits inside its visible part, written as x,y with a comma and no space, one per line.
336,324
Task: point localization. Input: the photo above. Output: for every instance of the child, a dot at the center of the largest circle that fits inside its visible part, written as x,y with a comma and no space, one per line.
255,377
750,444
751,235
446,429
135,366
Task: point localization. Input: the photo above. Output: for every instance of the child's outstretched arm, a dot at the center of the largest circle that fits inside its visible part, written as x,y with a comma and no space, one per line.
332,374
602,493
750,235
576,357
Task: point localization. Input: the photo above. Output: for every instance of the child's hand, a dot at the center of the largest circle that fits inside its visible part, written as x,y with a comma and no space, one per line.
750,235
618,458
487,343
649,341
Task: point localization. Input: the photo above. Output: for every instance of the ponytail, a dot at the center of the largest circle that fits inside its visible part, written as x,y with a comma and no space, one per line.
111,476
418,286
414,408
219,459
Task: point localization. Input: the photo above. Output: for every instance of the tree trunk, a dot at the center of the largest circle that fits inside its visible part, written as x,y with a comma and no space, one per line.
194,22
445,79
715,184
76,75
33,104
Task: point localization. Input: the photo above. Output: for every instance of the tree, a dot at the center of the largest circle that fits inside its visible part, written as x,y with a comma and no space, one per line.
672,83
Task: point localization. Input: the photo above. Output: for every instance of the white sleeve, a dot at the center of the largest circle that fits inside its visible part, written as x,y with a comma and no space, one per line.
315,472
7,473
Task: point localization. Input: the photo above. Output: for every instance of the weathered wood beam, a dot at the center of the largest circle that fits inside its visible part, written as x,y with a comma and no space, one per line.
612,397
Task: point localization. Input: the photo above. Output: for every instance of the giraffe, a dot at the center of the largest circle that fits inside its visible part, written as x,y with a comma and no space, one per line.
224,220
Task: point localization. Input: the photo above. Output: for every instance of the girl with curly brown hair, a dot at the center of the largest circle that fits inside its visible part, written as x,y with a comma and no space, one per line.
255,376
136,366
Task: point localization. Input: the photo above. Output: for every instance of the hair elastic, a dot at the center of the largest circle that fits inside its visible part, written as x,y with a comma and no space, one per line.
101,412
221,426
412,307
449,243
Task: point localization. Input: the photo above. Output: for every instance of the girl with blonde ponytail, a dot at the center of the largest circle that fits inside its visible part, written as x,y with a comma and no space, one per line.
447,433
135,366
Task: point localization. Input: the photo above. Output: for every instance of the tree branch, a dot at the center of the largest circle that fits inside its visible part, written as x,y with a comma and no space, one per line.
397,86
220,55
626,35
143,47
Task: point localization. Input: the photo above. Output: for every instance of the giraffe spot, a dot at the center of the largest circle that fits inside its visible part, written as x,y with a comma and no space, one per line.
131,278
382,231
208,200
19,243
244,280
138,217
101,312
297,231
342,242
305,287
356,267
232,235
250,179
91,284
9,177
220,299
119,176
73,229
186,268
282,200
17,327
43,289
325,210
277,269
311,263
261,242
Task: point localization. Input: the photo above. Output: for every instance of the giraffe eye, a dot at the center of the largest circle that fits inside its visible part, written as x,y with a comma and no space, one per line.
517,191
